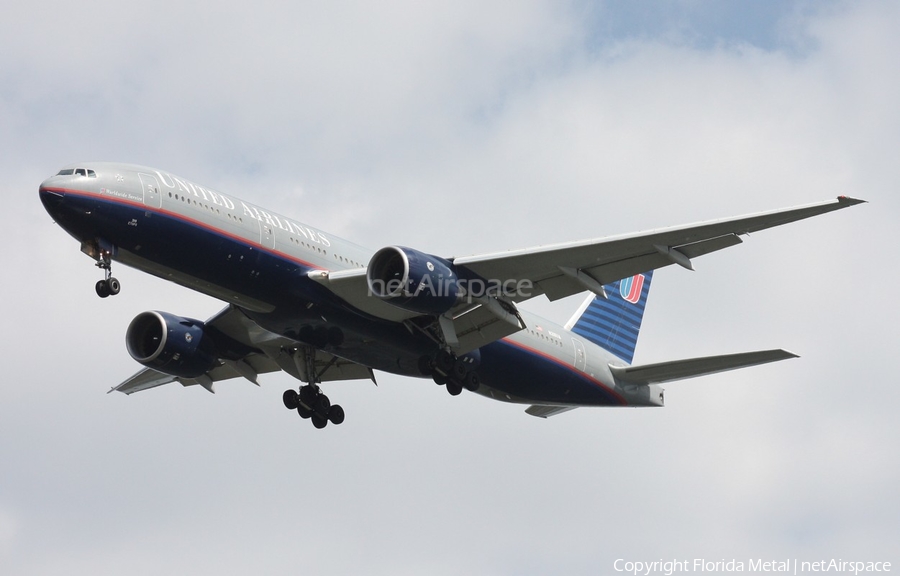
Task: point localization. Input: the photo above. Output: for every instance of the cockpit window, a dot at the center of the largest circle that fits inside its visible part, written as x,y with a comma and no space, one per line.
77,172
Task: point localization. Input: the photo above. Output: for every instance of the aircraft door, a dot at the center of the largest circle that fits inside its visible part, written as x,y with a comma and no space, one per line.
580,358
150,186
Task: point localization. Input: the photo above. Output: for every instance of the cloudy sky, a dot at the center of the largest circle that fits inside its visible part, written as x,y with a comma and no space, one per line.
458,128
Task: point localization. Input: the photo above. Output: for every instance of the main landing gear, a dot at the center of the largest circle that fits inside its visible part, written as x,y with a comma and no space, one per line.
109,286
311,403
446,368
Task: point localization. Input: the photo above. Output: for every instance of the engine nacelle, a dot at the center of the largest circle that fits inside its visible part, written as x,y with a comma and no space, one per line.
413,280
170,344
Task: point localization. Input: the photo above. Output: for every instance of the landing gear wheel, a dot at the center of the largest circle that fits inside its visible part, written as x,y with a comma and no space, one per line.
336,414
308,395
426,365
102,288
306,401
439,378
454,388
323,405
109,286
472,382
459,370
320,336
291,399
311,404
445,361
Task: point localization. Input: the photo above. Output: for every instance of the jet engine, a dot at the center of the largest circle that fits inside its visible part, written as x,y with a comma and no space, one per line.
413,280
170,344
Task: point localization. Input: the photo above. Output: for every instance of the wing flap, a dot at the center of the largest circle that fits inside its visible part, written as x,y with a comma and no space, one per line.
694,367
483,323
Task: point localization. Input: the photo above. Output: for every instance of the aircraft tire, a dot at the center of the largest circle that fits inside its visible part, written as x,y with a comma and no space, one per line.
439,378
113,285
426,365
102,288
320,337
291,399
308,395
454,388
472,382
336,414
445,361
459,370
303,411
322,405
319,421
306,334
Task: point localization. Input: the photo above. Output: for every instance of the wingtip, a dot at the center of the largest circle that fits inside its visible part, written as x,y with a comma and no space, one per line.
850,201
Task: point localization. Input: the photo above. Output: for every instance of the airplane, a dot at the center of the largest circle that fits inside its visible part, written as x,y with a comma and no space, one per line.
323,309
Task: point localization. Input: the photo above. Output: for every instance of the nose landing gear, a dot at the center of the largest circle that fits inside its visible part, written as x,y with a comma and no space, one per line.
109,286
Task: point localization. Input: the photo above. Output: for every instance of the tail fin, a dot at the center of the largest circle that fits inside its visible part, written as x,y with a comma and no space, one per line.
614,322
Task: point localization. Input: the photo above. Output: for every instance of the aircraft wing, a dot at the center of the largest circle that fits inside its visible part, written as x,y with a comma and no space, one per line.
261,352
561,270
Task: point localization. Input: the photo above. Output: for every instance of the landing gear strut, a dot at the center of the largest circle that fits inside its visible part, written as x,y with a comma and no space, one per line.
109,286
446,368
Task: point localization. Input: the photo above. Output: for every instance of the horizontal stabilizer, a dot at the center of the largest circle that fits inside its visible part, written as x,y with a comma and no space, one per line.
693,367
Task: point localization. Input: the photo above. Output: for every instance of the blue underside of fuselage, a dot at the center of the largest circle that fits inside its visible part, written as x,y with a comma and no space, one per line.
523,373
237,265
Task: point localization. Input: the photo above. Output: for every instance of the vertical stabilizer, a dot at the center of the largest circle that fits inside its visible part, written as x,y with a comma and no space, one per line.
613,323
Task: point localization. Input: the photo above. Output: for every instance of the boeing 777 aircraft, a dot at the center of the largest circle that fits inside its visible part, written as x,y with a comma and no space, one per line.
324,309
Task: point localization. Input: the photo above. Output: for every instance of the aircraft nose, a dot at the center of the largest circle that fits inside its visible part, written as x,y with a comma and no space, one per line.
50,198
